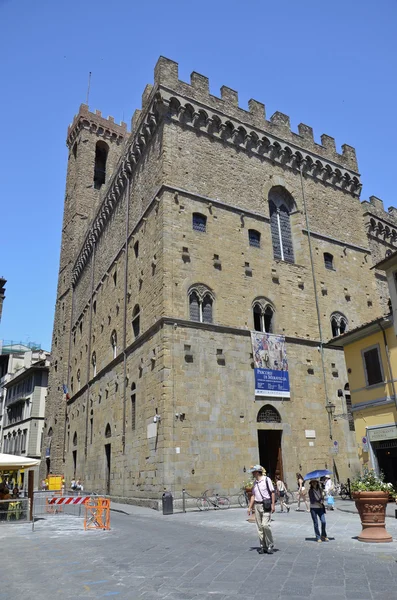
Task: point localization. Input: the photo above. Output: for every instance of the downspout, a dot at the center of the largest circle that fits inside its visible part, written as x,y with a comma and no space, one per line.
68,375
89,351
327,402
389,363
125,314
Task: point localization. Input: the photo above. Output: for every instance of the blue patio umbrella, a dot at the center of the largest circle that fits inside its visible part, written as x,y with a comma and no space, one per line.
317,474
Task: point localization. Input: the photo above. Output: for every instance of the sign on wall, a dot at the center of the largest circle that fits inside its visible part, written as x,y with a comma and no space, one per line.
270,365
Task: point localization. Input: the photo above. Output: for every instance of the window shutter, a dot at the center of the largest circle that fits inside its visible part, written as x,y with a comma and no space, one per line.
372,366
207,310
274,230
194,307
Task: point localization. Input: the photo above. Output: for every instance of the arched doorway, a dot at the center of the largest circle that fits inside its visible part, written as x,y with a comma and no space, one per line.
269,440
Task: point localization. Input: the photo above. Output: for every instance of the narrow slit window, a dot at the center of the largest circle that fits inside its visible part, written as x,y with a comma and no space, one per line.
101,155
136,318
328,261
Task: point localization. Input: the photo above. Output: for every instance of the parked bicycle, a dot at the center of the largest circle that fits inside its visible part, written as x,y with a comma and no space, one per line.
343,490
209,499
243,498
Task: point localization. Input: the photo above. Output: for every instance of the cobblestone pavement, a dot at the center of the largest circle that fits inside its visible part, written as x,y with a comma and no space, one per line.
194,556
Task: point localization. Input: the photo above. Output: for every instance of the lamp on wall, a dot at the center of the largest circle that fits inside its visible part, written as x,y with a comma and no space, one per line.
330,408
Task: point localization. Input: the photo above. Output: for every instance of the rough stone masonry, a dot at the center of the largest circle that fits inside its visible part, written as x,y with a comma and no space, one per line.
178,239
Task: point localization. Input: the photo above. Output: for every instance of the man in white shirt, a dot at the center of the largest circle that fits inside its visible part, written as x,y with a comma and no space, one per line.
263,498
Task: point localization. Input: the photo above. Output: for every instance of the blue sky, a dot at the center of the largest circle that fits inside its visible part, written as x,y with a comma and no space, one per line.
331,65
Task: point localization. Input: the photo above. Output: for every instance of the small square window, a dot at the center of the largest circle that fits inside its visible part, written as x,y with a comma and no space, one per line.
199,222
254,238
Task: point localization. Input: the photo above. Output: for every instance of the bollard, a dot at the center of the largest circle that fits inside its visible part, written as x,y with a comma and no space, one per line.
184,500
168,504
395,513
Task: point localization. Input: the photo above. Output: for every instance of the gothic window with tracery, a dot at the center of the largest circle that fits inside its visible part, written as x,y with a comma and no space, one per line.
201,304
339,324
263,314
281,204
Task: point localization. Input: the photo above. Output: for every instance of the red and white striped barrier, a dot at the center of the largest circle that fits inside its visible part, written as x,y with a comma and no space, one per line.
70,500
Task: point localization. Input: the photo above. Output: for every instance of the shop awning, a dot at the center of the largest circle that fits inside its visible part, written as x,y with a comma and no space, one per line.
11,461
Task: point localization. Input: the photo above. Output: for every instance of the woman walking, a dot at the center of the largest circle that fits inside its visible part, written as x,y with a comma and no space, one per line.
281,490
317,510
302,495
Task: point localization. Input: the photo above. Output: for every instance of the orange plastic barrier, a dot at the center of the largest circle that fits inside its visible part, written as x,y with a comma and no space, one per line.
97,513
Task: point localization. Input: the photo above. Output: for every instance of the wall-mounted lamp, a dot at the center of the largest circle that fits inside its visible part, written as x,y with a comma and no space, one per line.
156,419
330,408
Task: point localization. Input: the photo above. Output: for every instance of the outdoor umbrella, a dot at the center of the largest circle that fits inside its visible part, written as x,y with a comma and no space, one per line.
317,474
13,462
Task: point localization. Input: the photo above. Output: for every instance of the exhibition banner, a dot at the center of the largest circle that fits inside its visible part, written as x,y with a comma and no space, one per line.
270,365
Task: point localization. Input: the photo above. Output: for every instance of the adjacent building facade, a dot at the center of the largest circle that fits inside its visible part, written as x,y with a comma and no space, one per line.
205,223
371,360
23,392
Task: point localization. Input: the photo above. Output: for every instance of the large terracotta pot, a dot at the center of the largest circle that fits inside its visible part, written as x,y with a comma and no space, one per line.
372,510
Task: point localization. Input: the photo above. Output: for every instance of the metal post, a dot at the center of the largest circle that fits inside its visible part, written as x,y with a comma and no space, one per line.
348,487
183,501
30,493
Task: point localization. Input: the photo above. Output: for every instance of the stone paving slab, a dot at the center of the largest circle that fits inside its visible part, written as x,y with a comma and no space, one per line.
194,556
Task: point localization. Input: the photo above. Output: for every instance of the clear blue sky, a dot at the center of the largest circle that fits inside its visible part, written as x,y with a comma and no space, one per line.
331,65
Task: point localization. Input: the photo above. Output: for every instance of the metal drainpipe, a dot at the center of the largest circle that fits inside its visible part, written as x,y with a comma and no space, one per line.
125,314
389,364
327,402
68,377
89,351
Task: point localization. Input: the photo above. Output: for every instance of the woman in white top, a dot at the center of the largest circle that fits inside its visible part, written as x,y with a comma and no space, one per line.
281,489
302,494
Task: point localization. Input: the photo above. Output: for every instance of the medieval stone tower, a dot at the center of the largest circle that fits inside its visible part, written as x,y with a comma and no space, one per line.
205,223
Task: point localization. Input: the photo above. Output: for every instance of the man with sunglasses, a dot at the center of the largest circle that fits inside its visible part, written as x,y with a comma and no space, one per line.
263,498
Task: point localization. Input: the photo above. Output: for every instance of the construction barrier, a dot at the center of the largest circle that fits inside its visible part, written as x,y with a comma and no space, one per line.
48,507
97,513
68,500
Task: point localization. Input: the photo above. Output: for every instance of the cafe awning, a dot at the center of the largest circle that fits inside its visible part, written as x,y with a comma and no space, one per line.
13,462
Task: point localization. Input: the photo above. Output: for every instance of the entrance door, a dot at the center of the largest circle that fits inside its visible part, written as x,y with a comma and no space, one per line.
107,468
387,461
270,455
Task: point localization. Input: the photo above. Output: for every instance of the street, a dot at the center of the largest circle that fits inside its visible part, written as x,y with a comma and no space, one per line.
200,556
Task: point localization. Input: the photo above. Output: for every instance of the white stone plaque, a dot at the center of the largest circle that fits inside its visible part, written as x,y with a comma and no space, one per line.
310,433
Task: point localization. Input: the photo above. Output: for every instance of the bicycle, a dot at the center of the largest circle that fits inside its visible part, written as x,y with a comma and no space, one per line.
344,491
205,502
243,499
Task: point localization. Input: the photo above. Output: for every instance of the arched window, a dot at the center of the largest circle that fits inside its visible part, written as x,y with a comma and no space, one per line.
280,205
78,380
136,249
328,261
93,364
200,304
101,155
75,439
263,313
133,406
199,222
339,324
254,238
113,341
108,431
268,414
136,316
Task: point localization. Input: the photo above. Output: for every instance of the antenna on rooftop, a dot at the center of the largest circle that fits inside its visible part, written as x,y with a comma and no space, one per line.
88,88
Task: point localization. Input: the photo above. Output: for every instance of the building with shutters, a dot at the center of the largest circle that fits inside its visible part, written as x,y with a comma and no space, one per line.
371,360
206,222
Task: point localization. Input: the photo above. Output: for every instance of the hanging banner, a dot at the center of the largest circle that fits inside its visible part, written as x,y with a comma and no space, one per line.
270,365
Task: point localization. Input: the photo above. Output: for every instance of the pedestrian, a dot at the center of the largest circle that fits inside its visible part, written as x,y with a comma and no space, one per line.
263,498
317,510
302,494
281,491
79,486
328,489
73,484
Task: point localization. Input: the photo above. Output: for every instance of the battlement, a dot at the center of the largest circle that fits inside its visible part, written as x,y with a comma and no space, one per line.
95,122
166,75
374,207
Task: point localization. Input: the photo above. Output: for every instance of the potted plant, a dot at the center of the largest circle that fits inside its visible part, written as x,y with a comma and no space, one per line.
371,495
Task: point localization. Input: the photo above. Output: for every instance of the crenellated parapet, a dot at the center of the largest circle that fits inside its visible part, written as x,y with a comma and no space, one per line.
380,224
166,76
95,123
192,106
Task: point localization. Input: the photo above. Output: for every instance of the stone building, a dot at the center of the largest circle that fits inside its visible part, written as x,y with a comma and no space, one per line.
205,222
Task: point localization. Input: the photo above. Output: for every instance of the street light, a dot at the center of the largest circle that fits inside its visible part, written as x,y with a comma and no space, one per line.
330,408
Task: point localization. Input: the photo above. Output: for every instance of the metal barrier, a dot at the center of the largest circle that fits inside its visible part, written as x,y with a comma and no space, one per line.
66,509
15,510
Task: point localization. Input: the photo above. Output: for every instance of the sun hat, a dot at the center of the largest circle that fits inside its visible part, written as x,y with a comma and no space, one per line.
256,468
